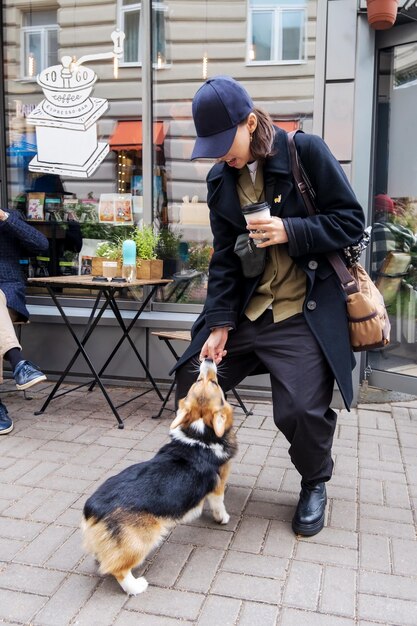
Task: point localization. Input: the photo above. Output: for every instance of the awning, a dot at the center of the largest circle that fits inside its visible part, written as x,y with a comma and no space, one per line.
287,125
128,135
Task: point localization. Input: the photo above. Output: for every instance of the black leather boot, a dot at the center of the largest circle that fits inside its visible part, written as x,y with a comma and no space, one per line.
309,515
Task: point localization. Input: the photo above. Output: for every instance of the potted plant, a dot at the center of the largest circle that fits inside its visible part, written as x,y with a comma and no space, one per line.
382,13
106,251
168,250
148,266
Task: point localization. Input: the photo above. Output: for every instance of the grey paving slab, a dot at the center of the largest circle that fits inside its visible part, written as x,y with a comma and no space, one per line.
200,570
102,607
338,593
220,610
182,605
255,564
168,564
394,611
303,585
245,587
359,571
18,606
297,617
256,614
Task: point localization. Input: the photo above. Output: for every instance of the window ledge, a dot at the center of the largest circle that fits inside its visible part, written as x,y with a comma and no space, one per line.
80,315
165,66
25,80
261,63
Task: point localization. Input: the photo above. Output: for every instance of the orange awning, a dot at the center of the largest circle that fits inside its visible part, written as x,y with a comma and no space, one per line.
128,135
287,125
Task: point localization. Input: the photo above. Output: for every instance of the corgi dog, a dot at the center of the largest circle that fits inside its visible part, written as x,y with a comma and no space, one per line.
130,513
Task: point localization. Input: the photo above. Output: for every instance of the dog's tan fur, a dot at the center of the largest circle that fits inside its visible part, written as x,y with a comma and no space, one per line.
142,532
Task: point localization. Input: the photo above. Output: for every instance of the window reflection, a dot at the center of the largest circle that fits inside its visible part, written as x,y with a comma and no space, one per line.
394,233
276,31
131,24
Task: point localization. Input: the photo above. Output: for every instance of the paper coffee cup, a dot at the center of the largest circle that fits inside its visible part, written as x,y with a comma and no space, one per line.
258,210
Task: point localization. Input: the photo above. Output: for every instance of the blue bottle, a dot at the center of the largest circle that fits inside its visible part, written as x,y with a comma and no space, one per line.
129,260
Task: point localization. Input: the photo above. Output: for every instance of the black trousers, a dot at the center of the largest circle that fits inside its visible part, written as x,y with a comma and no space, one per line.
301,383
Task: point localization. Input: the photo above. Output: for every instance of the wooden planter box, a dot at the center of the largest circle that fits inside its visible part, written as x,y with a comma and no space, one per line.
97,266
146,270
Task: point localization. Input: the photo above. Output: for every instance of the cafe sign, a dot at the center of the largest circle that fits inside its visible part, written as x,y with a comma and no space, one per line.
66,120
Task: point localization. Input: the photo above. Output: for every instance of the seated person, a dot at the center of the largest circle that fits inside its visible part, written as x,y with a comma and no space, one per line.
17,239
388,235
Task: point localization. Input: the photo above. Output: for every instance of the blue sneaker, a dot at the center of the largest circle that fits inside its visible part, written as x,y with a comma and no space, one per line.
26,374
6,423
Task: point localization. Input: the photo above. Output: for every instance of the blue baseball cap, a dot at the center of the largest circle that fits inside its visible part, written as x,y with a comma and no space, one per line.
219,106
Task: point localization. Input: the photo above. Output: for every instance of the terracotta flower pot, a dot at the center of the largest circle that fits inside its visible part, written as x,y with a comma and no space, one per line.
382,13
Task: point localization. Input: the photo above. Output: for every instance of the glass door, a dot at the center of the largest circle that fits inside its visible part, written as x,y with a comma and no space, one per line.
394,232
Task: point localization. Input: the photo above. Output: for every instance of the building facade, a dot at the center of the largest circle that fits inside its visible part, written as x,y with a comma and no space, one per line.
108,145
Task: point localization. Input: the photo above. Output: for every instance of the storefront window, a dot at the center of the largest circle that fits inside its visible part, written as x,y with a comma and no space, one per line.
75,131
65,101
394,232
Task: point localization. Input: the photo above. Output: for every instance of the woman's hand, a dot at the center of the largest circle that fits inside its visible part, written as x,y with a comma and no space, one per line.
214,346
270,228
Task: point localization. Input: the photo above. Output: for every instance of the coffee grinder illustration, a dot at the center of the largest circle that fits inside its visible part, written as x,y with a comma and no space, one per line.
66,120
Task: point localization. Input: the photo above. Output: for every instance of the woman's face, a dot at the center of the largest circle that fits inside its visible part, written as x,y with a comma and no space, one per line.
239,153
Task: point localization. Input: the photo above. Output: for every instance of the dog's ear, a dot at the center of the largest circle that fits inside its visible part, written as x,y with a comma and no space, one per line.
180,417
219,424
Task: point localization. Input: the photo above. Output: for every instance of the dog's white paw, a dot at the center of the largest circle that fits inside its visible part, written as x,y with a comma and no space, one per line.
133,586
218,509
222,517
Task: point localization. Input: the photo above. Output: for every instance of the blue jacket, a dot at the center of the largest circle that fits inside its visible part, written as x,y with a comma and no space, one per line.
18,239
339,224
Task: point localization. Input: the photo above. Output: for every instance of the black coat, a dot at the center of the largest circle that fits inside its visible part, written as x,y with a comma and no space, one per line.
339,224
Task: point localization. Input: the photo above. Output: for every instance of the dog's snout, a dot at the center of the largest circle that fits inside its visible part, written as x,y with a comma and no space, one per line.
206,366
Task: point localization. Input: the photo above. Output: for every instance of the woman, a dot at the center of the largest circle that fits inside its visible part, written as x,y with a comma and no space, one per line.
291,319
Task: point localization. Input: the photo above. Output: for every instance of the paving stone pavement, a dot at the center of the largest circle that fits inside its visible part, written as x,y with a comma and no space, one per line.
360,570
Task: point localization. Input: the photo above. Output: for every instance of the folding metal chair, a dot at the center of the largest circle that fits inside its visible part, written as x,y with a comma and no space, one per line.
184,335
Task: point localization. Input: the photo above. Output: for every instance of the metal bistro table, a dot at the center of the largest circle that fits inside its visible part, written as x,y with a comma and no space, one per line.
105,299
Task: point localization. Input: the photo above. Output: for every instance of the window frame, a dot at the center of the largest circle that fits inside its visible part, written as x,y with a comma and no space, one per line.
122,10
25,32
277,29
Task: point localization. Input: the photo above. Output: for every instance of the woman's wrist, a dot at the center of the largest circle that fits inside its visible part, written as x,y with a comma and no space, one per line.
3,215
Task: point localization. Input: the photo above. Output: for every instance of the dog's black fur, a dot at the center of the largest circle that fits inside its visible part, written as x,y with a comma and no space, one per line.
168,485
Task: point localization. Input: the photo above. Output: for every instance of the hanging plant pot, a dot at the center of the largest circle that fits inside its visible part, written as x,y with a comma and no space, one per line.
382,13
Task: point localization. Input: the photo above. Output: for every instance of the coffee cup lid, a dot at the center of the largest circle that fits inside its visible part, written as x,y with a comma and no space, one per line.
254,208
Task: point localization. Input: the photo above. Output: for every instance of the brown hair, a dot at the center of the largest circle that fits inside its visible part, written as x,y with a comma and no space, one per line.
263,137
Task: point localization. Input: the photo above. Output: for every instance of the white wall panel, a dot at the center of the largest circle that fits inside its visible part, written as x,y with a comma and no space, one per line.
341,40
338,121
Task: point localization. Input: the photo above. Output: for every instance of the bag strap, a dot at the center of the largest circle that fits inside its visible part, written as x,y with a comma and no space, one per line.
305,188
